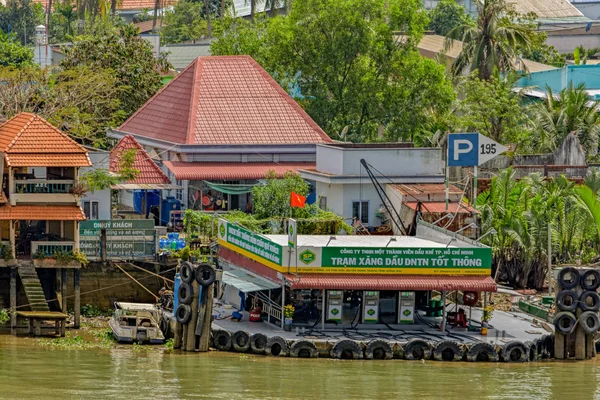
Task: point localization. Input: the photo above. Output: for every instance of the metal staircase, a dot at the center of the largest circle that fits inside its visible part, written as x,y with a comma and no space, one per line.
33,288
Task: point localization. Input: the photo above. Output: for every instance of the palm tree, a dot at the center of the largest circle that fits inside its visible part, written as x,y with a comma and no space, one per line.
558,115
494,42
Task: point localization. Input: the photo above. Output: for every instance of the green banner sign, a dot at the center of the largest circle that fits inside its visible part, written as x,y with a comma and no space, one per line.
125,239
250,244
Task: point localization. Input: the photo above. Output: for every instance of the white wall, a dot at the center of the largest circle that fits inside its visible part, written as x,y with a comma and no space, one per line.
568,43
340,198
99,160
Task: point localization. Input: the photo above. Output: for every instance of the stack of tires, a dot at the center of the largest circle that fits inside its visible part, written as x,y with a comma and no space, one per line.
577,302
204,274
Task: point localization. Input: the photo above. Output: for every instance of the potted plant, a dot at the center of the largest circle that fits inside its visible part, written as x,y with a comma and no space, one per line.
288,313
487,316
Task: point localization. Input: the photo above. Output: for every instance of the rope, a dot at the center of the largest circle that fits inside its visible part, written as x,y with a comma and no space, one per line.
151,273
136,281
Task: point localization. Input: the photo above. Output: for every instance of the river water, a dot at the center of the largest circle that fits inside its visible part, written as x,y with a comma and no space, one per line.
30,371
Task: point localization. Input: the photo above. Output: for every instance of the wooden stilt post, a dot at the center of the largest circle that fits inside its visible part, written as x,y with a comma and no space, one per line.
559,346
177,336
190,344
205,323
63,273
13,300
77,290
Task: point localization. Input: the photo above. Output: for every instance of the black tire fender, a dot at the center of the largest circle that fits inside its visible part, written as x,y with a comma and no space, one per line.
564,322
482,352
448,350
205,275
417,349
589,295
186,273
563,275
532,346
258,343
304,349
347,350
549,346
566,300
185,293
379,349
241,341
277,347
590,322
222,340
515,351
590,280
183,314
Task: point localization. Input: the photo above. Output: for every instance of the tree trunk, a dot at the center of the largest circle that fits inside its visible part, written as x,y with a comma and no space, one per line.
252,5
113,7
156,6
222,9
208,21
48,12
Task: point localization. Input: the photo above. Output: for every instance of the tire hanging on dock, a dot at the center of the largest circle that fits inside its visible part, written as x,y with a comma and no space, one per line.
515,351
241,341
258,343
590,280
185,293
205,275
186,273
564,322
277,347
568,277
590,322
347,350
482,352
378,349
183,314
222,340
595,300
304,349
567,300
532,346
417,349
448,350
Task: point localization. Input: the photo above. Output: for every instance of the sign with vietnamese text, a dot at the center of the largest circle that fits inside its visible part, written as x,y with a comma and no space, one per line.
250,244
125,239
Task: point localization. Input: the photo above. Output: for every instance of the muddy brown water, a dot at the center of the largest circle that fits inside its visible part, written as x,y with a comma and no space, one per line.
30,371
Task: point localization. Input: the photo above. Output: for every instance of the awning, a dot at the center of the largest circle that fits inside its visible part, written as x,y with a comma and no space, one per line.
440,207
247,281
41,213
229,188
393,282
231,171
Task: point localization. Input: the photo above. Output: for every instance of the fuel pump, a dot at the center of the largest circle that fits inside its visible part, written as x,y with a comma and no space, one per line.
370,307
406,308
335,303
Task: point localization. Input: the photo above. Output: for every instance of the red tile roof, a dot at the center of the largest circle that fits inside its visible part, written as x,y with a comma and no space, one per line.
149,171
43,213
28,140
225,100
197,171
440,207
392,282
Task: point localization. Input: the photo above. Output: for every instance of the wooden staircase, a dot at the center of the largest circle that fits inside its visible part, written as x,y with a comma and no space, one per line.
33,288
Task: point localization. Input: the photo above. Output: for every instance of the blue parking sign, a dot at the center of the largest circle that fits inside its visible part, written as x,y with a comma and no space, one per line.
463,149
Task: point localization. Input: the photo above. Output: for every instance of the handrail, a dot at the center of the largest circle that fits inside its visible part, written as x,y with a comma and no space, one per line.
50,247
44,186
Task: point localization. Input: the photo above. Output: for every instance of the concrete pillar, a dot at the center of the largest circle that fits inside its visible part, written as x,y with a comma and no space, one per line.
76,236
323,310
13,245
62,229
77,292
443,312
13,300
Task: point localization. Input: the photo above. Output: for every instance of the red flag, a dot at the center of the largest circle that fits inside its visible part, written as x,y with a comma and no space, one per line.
297,200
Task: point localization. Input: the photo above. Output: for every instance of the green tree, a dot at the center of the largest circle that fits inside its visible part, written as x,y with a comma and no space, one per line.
20,17
273,198
343,62
492,107
495,42
127,55
63,20
557,115
446,16
186,22
100,179
13,54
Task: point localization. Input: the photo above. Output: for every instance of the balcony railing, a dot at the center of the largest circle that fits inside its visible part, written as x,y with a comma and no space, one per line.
44,186
49,248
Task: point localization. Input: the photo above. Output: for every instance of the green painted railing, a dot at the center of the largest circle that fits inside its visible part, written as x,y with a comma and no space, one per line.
49,248
43,186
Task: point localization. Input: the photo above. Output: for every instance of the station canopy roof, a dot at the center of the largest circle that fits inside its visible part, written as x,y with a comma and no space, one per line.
246,281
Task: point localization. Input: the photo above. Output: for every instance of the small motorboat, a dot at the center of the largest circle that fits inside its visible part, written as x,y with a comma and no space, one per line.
137,322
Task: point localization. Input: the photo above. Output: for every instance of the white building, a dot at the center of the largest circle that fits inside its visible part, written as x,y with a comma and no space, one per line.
344,187
97,205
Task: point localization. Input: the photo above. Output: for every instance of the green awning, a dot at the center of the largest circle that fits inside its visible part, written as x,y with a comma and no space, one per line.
230,188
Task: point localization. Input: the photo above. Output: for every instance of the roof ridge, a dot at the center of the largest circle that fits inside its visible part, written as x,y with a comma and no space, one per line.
118,150
14,140
193,112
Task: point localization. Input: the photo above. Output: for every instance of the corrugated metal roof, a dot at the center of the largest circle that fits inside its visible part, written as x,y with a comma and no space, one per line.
247,281
392,282
547,9
198,171
408,189
440,207
182,55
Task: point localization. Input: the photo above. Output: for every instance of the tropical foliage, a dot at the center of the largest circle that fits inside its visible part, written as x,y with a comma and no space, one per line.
186,22
19,18
13,54
446,16
521,211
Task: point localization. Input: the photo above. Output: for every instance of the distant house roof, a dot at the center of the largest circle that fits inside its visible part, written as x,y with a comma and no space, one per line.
579,30
146,26
241,8
182,55
432,46
415,189
42,212
127,5
150,173
28,140
225,100
547,9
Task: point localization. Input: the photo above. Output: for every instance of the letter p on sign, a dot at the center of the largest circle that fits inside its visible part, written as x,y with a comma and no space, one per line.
462,149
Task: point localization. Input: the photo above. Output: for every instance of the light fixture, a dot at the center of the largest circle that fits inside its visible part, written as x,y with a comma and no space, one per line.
466,227
451,240
392,239
490,232
449,215
330,239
